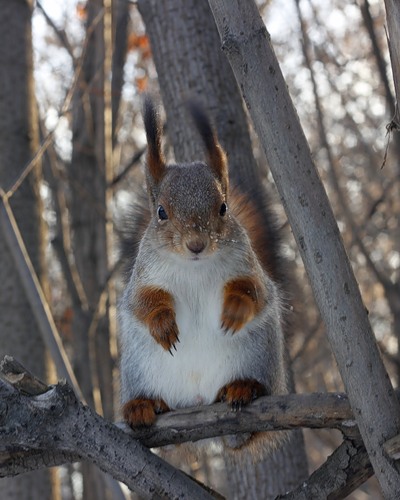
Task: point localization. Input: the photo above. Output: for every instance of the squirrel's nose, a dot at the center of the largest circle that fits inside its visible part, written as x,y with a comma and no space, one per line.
196,246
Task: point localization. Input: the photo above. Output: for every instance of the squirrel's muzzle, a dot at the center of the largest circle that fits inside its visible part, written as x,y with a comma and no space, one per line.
196,246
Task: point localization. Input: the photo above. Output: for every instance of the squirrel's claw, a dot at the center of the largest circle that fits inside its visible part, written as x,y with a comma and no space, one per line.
240,392
165,331
173,346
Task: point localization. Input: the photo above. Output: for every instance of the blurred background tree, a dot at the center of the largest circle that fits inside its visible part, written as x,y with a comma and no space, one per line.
89,74
19,141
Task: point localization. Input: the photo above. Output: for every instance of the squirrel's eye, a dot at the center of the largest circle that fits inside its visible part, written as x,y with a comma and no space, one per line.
161,213
223,209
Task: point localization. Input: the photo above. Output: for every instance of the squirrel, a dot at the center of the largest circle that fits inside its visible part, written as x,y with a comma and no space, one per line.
202,311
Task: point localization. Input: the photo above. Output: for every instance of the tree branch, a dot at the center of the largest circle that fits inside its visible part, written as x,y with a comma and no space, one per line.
315,411
346,469
60,33
376,50
64,428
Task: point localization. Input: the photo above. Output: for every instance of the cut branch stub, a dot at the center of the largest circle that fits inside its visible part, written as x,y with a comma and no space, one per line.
21,378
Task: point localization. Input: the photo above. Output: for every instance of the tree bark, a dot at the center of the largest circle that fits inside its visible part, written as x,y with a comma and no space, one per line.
19,140
184,43
56,420
338,477
246,43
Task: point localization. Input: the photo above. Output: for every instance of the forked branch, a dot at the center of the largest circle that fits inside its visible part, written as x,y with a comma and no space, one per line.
43,426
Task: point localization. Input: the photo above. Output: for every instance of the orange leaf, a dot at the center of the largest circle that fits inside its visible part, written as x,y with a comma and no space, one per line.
81,10
141,83
139,42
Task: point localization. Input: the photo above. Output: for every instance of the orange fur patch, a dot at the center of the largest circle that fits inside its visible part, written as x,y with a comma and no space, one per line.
262,235
155,163
243,300
241,392
155,308
218,162
142,412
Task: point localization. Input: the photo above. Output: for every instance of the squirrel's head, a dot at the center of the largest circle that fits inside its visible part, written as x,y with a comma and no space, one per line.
188,201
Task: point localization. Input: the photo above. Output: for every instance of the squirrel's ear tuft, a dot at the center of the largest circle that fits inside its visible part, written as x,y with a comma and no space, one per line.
216,155
155,158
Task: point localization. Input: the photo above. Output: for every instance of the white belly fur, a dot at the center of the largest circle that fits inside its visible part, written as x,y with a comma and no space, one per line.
205,358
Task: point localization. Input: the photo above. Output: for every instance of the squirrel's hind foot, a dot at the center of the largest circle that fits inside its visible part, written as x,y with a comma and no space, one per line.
241,392
142,412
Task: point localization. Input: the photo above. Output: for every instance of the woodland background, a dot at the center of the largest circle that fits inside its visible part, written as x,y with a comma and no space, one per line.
70,172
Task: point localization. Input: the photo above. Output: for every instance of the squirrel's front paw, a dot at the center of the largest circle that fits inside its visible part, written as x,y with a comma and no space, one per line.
164,329
142,412
155,308
241,392
243,300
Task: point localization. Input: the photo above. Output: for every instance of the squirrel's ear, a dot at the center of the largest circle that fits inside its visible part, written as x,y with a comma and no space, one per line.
217,160
155,159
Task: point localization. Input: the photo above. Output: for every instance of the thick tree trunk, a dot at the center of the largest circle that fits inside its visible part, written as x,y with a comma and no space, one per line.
19,140
189,64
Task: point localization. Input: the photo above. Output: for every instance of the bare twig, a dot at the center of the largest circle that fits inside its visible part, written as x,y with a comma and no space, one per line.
393,25
61,35
34,293
62,241
64,110
130,164
380,61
